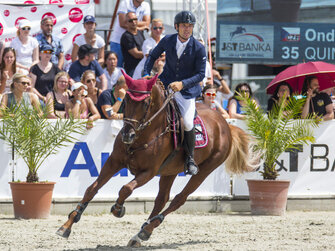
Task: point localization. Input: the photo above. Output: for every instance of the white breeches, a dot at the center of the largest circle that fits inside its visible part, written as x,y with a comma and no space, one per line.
187,110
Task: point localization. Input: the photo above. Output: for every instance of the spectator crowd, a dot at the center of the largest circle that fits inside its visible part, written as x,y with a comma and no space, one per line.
93,87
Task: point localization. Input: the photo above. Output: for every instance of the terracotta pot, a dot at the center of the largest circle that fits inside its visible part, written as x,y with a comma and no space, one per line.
32,200
268,197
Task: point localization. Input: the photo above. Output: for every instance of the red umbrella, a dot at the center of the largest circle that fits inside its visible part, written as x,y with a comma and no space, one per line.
295,76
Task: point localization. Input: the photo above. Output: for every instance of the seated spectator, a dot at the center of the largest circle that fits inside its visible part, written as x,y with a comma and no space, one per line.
157,29
111,70
26,46
7,69
283,90
81,107
317,102
110,103
131,44
19,94
46,37
57,98
208,98
86,61
91,38
89,80
43,73
235,105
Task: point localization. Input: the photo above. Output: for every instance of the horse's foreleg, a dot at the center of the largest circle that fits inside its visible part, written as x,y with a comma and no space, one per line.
105,175
118,210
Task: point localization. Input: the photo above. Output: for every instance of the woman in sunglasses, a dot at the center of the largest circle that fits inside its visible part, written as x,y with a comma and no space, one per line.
157,29
235,105
7,69
26,46
208,98
43,73
19,94
89,79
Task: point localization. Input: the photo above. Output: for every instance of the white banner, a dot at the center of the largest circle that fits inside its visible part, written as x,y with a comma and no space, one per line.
68,21
75,168
310,170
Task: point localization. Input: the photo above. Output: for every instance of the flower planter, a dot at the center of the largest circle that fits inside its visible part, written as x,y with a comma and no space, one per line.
268,197
32,200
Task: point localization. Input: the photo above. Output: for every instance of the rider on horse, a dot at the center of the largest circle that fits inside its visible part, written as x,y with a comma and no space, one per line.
183,71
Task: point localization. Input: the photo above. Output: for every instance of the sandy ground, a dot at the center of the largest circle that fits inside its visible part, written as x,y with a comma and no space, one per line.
295,231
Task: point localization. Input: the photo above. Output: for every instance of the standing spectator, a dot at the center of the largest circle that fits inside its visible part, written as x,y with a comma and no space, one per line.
81,107
7,69
208,97
26,46
183,71
57,98
131,44
110,103
111,70
43,73
86,61
142,11
89,79
317,102
157,29
46,37
283,90
90,37
235,105
19,94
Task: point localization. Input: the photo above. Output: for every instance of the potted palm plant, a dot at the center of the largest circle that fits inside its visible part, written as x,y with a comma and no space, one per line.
273,133
33,137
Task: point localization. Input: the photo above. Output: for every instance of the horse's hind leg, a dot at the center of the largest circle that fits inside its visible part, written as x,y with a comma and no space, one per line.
140,179
177,202
106,173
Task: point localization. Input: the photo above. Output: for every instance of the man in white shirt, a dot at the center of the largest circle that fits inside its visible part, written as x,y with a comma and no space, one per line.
142,11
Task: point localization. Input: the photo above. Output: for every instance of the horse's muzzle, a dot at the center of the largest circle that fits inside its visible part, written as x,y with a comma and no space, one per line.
128,137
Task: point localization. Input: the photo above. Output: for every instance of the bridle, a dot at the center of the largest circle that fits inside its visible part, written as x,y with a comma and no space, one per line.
144,123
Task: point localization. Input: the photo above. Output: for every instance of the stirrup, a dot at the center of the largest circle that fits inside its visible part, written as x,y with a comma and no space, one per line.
190,166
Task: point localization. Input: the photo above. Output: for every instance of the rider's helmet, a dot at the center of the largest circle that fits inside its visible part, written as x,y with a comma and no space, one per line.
184,17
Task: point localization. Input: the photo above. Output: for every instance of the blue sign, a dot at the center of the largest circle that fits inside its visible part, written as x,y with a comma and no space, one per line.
275,43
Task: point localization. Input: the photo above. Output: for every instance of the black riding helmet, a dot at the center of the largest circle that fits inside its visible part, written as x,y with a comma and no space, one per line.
184,17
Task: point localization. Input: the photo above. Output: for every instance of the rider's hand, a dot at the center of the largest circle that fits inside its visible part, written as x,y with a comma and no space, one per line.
176,86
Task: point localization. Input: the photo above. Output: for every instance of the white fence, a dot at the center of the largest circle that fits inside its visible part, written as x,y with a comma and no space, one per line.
310,171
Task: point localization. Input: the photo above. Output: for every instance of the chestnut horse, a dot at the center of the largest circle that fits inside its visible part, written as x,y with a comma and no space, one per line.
146,141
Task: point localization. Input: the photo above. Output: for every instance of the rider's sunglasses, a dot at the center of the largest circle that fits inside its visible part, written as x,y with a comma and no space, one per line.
213,94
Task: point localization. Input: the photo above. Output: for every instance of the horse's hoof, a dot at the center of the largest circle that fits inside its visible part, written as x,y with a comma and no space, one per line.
144,235
134,244
118,212
64,232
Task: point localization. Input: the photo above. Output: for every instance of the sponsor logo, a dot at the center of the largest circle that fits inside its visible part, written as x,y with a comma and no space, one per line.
6,13
59,2
241,31
290,34
29,2
52,16
33,9
1,29
82,1
64,30
68,56
74,38
75,15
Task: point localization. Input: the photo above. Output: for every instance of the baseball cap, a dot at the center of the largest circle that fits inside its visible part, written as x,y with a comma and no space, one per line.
86,49
24,23
89,18
77,85
46,47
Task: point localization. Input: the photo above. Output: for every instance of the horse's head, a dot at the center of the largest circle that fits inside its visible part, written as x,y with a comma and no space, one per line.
138,105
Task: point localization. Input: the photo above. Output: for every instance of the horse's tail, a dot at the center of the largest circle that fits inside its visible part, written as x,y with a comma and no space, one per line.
241,158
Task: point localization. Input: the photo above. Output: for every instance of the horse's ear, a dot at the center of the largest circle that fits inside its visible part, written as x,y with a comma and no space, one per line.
151,82
128,79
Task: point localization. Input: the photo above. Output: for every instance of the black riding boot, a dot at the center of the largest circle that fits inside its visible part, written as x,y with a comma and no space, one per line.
189,143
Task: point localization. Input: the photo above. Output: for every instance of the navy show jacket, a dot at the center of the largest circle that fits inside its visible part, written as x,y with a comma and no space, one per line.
189,68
